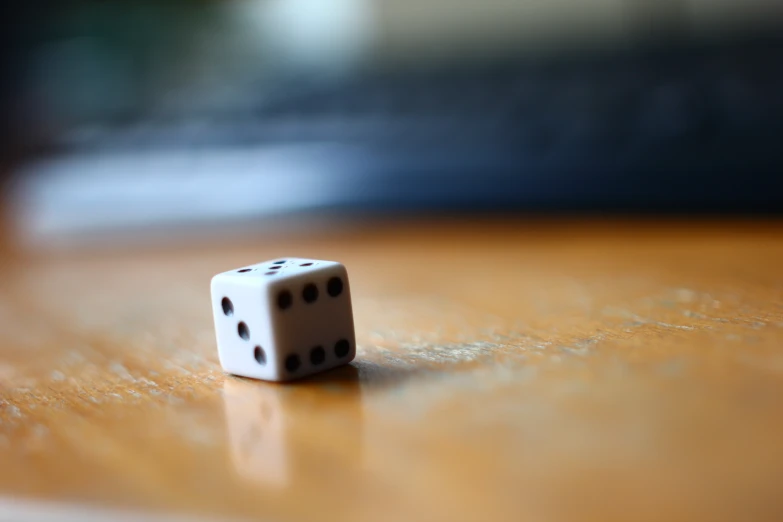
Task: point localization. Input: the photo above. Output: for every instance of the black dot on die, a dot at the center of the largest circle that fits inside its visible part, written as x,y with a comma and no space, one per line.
228,306
310,293
244,270
284,299
306,264
279,262
270,273
341,348
259,355
275,267
243,331
334,286
292,363
317,355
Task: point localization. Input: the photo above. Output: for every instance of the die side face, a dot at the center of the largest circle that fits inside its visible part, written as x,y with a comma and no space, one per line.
313,320
300,314
241,327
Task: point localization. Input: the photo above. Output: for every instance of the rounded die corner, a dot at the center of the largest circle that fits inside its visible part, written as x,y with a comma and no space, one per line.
216,279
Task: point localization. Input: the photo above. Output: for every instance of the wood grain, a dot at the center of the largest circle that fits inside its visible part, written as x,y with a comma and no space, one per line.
506,370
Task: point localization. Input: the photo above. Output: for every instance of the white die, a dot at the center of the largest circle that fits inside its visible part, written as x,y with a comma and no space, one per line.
283,319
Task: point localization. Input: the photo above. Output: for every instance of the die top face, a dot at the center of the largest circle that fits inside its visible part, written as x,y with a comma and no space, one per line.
267,273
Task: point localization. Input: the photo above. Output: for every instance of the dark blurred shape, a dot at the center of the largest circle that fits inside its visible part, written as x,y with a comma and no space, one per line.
136,114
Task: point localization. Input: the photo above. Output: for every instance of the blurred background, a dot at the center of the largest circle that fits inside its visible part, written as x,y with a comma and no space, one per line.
132,118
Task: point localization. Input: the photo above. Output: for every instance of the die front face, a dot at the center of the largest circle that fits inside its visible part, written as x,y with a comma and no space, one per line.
244,335
288,318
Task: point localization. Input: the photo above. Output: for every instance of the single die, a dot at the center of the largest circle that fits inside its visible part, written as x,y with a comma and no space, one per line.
283,319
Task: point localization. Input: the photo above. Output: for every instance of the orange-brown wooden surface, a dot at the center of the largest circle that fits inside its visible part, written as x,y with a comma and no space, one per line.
506,370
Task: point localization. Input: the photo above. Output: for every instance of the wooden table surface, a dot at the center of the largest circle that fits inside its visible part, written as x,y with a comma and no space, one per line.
506,370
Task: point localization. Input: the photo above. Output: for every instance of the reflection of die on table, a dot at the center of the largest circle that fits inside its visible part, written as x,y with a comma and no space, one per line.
280,435
283,319
256,432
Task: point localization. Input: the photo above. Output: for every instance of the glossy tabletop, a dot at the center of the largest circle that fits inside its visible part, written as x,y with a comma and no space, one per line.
505,370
